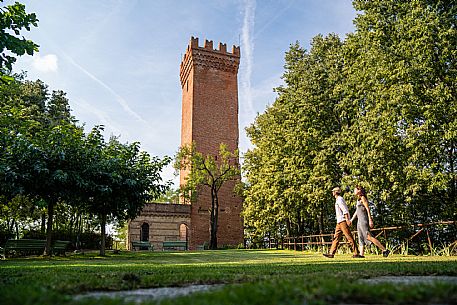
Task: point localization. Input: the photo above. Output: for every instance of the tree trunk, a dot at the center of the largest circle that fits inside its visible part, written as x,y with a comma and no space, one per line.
43,222
213,220
80,230
321,223
453,174
10,225
216,218
11,228
74,229
47,248
71,224
103,231
287,227
17,230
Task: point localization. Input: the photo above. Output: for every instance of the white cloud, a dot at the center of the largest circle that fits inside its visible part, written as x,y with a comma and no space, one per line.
46,63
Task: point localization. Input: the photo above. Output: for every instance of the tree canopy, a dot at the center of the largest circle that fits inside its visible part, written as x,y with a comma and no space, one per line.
13,20
47,156
377,109
48,163
207,171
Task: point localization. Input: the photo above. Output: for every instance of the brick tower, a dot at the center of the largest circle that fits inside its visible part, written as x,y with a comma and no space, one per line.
210,117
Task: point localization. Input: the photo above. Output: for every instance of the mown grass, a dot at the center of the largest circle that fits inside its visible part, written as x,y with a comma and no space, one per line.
250,277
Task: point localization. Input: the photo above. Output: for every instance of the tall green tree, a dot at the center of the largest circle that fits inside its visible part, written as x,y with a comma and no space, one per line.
293,164
208,172
400,83
120,180
43,153
376,109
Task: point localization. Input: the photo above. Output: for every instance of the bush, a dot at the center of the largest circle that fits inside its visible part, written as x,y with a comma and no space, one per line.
86,240
5,234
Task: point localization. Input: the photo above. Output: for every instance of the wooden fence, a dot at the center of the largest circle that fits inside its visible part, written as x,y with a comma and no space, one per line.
300,242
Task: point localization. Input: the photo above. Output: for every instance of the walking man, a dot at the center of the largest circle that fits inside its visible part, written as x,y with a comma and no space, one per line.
342,225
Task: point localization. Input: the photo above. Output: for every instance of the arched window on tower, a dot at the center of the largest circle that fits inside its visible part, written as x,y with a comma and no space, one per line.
144,233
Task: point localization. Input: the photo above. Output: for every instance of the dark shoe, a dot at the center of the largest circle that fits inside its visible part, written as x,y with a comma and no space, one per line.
385,253
358,256
328,255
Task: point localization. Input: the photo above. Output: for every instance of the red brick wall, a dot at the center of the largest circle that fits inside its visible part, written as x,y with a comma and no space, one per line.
210,117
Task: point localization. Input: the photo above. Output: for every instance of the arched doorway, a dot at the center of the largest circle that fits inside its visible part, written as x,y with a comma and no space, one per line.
144,232
183,232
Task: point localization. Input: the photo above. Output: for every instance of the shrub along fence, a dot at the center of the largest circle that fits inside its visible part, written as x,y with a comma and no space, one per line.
84,240
436,238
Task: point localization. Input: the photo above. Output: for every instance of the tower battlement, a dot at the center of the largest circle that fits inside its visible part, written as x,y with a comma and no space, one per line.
208,45
209,57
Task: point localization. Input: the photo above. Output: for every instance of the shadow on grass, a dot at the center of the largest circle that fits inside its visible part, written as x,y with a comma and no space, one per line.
279,274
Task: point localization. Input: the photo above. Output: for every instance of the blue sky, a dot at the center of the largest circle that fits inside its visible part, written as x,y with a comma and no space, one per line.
118,60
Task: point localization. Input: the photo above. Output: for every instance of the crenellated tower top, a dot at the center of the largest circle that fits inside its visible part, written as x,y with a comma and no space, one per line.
209,57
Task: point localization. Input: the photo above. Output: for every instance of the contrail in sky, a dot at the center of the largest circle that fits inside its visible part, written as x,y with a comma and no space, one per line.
273,19
119,99
247,41
101,116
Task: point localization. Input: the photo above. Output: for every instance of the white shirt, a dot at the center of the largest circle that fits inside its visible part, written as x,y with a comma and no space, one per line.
340,208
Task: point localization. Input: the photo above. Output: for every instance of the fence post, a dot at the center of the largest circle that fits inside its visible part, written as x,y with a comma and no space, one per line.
429,242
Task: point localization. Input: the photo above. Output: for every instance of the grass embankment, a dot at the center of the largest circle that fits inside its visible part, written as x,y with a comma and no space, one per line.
252,277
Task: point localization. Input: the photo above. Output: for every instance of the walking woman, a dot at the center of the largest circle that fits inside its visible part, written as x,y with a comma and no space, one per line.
365,222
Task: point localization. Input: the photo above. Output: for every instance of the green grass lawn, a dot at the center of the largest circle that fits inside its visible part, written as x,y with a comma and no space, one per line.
250,277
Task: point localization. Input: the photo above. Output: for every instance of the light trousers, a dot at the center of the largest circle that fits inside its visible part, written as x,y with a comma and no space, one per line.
342,228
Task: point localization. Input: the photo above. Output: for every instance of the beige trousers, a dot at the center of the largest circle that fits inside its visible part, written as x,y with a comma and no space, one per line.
342,228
